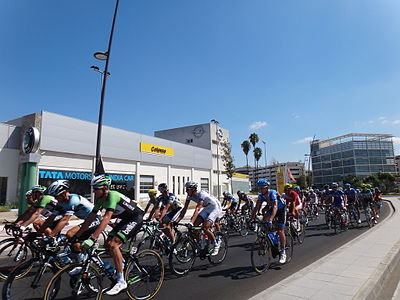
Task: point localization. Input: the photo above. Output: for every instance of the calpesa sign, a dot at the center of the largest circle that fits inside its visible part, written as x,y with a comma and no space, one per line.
144,147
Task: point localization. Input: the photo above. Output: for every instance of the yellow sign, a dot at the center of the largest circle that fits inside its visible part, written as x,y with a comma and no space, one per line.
156,149
240,175
280,181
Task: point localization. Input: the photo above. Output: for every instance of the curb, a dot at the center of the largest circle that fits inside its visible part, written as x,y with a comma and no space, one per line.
382,284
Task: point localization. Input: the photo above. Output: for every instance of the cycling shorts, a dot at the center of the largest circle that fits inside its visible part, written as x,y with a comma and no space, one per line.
172,215
211,213
128,228
280,217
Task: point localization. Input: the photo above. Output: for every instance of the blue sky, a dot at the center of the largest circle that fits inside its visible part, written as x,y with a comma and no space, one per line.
286,70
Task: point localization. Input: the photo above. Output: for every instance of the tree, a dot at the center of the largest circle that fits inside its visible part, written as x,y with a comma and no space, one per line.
246,148
353,180
257,155
387,181
254,139
227,160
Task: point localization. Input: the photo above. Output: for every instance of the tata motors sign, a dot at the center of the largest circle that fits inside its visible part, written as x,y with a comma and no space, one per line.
71,175
155,149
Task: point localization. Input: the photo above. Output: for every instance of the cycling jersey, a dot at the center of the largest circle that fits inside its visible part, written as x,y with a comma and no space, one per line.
292,201
48,203
271,198
205,197
171,199
351,195
337,197
121,205
76,205
313,198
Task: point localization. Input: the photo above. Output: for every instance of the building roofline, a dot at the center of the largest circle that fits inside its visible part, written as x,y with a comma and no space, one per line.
351,135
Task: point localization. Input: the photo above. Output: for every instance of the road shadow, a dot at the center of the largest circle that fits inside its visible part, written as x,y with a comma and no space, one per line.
236,273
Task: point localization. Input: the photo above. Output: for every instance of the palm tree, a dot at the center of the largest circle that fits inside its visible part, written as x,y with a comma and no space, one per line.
246,148
257,155
254,139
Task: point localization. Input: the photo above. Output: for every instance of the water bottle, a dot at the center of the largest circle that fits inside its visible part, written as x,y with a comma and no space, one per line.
204,241
274,238
108,268
63,257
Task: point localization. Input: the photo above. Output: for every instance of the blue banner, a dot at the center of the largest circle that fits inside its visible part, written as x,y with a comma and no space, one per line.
72,175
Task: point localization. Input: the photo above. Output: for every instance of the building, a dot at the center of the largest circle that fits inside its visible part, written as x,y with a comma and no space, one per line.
357,154
286,169
209,136
397,163
60,147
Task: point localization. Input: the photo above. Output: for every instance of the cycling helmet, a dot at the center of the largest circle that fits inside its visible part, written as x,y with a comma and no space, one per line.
57,187
297,188
288,186
228,195
347,185
262,182
326,186
100,181
162,187
38,188
334,185
311,191
240,193
28,193
191,185
152,192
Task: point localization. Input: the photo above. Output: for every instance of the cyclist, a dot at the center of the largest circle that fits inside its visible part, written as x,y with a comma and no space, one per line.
367,199
377,199
68,205
119,206
230,203
42,207
352,199
338,199
326,197
30,201
276,209
170,207
211,211
313,201
153,201
248,205
293,202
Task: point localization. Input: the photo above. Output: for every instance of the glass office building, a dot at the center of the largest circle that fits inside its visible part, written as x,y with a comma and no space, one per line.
351,154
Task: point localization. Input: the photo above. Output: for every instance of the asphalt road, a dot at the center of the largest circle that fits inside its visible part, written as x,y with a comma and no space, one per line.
235,279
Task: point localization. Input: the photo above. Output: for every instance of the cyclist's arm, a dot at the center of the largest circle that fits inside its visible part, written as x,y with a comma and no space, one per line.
32,218
164,211
60,225
47,223
85,225
25,216
106,219
274,210
256,209
183,212
154,212
196,211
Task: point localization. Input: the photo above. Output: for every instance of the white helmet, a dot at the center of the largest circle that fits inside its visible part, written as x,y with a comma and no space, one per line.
100,181
191,185
57,187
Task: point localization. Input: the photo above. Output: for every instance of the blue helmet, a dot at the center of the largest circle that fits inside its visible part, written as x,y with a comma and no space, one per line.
347,185
262,182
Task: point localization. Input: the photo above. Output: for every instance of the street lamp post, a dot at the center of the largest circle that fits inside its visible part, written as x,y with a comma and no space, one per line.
265,158
103,56
217,139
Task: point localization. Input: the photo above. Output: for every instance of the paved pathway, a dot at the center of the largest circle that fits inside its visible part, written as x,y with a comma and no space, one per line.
357,270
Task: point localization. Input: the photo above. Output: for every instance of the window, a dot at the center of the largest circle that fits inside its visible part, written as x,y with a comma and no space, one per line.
204,184
361,153
146,183
179,185
3,190
362,161
348,154
173,185
362,168
183,184
337,163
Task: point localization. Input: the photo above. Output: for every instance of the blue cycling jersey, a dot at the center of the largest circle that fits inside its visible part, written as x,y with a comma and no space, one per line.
351,194
271,198
76,205
338,199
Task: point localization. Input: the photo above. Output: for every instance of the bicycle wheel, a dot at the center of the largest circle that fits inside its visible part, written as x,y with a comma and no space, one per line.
32,285
79,285
144,275
12,254
289,246
182,256
300,234
261,255
223,250
368,217
244,229
224,226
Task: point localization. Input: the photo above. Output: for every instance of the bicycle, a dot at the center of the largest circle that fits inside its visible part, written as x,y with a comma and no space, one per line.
297,228
143,271
354,215
14,250
27,278
266,248
236,223
191,244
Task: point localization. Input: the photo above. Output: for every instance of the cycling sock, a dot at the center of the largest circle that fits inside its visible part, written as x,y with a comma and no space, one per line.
120,277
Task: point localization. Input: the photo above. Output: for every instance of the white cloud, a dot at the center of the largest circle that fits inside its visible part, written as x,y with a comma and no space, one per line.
396,122
370,122
258,125
381,118
296,116
304,140
396,140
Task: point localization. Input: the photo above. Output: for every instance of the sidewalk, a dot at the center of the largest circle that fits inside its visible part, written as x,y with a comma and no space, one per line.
361,269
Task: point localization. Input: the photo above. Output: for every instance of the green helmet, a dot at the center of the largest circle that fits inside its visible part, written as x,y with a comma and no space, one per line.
100,181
